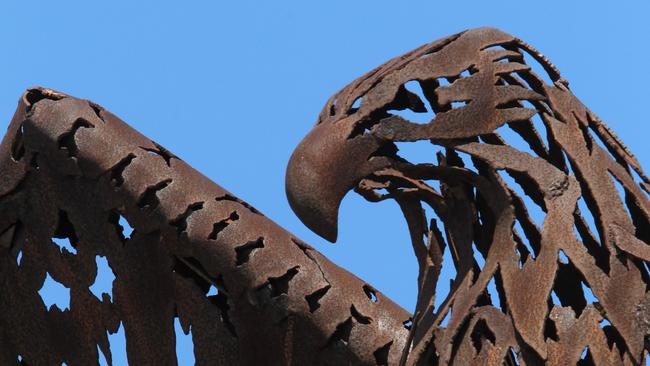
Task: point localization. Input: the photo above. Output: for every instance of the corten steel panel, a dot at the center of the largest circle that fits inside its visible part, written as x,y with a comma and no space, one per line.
71,169
479,93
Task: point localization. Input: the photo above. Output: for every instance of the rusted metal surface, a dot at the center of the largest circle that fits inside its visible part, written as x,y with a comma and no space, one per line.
70,169
478,87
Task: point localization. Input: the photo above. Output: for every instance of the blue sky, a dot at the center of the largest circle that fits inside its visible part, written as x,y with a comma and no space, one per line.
232,87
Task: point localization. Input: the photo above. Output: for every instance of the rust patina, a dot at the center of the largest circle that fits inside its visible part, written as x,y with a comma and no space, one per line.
564,293
549,236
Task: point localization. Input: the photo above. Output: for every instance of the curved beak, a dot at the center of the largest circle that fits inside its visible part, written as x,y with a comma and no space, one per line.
323,168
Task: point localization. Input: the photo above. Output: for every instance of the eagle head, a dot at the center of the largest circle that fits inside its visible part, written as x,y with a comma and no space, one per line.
461,83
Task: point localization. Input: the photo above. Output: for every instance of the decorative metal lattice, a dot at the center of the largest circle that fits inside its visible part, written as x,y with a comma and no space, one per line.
565,293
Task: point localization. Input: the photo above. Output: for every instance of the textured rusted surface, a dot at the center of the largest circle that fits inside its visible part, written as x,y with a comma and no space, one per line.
70,169
485,191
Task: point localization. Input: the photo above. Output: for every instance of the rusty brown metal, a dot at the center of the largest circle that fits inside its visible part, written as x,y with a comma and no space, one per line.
480,90
70,168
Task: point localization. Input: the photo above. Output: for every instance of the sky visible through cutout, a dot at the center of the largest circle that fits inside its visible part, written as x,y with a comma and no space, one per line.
64,244
54,293
127,230
184,345
104,279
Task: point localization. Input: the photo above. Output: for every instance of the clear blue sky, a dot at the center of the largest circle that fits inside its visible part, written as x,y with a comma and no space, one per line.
232,87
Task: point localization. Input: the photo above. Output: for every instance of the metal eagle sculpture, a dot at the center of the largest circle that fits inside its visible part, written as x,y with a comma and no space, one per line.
566,294
549,235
